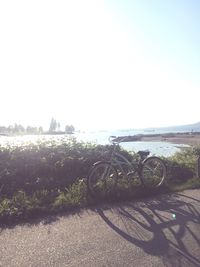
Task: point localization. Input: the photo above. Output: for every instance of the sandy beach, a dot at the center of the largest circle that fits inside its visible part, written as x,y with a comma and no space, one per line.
192,139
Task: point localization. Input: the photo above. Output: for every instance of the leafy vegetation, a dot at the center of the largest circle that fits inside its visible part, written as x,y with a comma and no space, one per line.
49,176
183,165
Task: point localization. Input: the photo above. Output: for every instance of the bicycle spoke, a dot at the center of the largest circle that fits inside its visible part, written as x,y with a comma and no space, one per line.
153,172
102,180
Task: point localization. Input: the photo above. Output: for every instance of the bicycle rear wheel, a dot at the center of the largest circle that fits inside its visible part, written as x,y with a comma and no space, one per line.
153,172
102,180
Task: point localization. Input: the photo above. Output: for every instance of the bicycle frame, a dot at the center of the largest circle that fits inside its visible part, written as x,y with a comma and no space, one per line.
121,162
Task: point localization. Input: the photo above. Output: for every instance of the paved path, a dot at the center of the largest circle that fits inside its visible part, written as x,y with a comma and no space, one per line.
162,231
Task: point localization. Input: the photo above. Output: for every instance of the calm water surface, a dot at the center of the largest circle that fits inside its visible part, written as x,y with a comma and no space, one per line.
156,148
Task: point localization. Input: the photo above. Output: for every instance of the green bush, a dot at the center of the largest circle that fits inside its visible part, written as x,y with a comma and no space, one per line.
182,166
51,165
48,176
47,165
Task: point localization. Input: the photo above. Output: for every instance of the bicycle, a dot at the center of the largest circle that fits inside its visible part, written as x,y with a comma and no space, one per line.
103,176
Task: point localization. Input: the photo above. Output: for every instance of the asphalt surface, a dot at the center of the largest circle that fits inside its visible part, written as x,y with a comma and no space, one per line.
161,231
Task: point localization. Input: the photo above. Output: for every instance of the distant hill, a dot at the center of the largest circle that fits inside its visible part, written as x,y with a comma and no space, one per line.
180,128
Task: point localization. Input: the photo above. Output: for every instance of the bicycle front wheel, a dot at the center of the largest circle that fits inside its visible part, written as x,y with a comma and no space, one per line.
102,180
153,172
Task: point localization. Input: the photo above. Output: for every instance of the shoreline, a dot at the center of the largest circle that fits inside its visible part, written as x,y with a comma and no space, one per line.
186,138
192,139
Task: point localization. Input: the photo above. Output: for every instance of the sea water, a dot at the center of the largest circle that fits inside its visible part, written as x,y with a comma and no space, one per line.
160,148
99,137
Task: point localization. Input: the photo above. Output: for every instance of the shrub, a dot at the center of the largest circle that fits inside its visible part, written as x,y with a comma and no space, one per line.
182,166
47,165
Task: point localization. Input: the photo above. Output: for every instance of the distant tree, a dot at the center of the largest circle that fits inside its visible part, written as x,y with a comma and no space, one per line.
21,128
69,129
18,128
58,126
3,129
10,129
40,130
31,130
28,129
53,125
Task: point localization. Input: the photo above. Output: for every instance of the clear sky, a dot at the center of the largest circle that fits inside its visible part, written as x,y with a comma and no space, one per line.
100,64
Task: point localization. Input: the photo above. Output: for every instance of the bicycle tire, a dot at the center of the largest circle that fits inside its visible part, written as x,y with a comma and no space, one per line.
153,172
102,179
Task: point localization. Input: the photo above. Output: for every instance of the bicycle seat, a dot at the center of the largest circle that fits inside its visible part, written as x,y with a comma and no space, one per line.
144,153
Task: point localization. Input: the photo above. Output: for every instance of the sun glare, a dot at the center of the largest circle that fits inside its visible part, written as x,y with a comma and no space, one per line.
75,61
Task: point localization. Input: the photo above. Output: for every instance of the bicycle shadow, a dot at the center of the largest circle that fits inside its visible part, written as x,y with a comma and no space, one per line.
160,228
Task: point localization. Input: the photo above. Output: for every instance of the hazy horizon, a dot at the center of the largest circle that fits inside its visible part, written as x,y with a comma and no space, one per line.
100,64
62,127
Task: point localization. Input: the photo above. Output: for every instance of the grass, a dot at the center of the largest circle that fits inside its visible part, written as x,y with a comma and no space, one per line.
49,177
